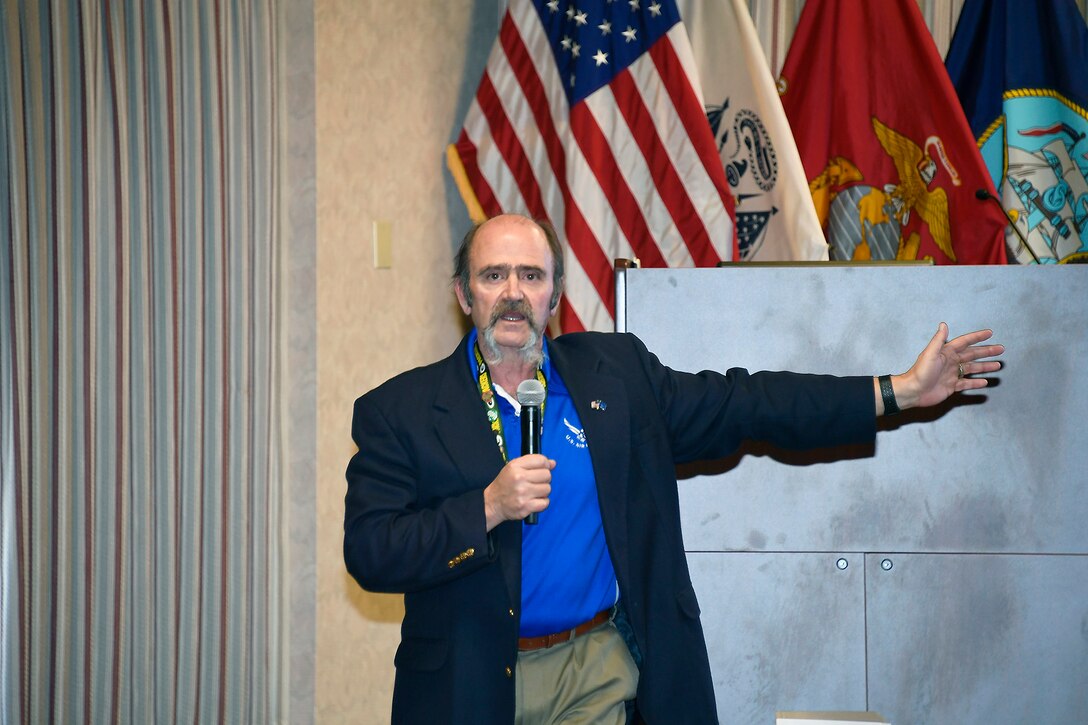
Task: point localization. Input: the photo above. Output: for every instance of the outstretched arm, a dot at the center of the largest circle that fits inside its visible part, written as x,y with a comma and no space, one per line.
944,367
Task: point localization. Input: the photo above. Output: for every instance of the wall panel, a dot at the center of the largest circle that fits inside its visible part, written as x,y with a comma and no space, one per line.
979,505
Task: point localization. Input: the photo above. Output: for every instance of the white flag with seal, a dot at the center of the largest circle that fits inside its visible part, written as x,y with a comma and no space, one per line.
776,219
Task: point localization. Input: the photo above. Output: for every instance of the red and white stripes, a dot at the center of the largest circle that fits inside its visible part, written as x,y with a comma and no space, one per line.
631,171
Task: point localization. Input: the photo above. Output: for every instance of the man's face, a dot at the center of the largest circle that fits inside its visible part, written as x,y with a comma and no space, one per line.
510,278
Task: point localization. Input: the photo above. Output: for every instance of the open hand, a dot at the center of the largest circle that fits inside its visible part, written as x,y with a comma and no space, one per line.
945,367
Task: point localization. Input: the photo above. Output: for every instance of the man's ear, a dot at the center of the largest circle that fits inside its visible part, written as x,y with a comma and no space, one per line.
555,307
461,299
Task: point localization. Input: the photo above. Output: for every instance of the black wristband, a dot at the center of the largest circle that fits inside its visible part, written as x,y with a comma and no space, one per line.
887,394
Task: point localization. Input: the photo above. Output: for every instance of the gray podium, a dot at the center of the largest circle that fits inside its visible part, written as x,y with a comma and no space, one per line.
940,576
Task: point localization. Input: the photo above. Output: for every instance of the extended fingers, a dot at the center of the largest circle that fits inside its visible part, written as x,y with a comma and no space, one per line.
971,384
969,339
977,353
975,368
966,347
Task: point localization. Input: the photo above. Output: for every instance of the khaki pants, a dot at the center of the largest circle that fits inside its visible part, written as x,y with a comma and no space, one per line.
587,680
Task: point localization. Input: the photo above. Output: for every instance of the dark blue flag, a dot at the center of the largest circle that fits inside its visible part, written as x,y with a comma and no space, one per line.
1021,72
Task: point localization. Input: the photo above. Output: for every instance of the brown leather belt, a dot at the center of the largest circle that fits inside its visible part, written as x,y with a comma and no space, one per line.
527,644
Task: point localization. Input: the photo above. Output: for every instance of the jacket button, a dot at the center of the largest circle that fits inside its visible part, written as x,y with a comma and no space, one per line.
509,672
511,612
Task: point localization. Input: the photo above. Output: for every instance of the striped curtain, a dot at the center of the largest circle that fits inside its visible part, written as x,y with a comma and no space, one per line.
141,461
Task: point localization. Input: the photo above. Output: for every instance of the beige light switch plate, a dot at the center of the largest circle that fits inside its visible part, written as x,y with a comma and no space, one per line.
382,237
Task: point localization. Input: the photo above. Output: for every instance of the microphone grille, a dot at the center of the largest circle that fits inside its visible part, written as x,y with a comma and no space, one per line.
531,392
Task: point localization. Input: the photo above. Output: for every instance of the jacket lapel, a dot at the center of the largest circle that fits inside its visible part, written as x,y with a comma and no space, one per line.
603,408
461,427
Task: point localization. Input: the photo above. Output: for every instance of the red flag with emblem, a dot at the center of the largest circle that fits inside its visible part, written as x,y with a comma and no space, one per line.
892,165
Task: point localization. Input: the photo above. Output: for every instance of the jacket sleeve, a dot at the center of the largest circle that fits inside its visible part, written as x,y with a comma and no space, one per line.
709,414
393,540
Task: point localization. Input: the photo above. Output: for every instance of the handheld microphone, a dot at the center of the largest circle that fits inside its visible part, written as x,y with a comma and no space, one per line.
531,396
983,195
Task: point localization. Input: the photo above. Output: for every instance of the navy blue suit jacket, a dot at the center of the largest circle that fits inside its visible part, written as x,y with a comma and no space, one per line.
415,516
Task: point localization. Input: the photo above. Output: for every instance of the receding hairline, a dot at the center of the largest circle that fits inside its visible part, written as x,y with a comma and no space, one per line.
512,219
543,226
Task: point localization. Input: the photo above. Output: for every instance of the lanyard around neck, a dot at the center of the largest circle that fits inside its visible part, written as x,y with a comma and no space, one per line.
487,395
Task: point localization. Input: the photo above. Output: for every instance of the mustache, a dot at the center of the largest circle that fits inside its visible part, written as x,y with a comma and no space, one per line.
517,307
529,351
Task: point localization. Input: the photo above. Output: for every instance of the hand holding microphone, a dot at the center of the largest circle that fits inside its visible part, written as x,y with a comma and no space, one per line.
531,396
524,482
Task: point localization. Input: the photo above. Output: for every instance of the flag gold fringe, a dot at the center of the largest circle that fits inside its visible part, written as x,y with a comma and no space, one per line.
460,177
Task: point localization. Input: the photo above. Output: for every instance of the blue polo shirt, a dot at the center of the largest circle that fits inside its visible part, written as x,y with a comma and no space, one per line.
566,571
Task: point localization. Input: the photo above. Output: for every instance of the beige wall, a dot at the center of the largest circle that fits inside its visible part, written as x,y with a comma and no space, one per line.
392,82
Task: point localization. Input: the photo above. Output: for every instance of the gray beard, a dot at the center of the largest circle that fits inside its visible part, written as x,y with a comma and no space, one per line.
531,353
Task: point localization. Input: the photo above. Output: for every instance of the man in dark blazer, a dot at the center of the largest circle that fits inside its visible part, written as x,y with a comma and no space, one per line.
437,496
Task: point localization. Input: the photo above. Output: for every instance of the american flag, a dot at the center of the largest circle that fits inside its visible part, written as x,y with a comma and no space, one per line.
589,114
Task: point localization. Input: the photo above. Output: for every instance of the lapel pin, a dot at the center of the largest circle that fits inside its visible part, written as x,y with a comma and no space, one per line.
598,405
